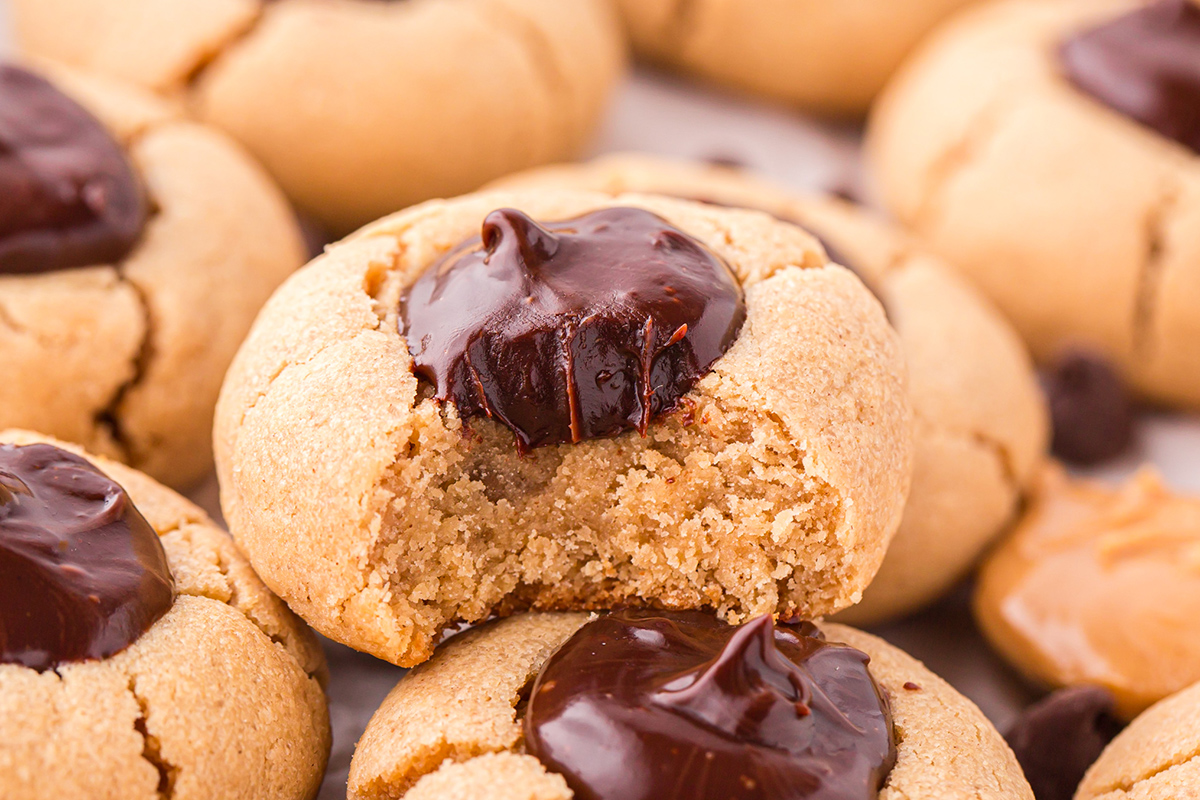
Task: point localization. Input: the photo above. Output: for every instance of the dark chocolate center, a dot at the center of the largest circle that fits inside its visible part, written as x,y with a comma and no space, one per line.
571,330
68,197
1146,65
646,705
82,574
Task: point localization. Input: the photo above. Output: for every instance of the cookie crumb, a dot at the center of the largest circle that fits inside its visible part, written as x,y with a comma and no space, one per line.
912,687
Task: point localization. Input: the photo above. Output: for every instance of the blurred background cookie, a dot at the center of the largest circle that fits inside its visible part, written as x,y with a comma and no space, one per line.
831,58
506,711
359,108
407,439
1099,586
135,250
140,656
1049,150
980,422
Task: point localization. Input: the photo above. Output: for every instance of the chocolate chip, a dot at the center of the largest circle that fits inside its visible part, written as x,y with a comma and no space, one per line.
1057,739
68,197
571,330
1090,409
1145,65
82,574
681,705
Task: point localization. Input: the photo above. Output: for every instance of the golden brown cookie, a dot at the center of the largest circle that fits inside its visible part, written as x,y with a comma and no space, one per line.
980,421
1078,221
359,108
1156,758
828,57
453,727
219,698
774,485
126,357
1099,586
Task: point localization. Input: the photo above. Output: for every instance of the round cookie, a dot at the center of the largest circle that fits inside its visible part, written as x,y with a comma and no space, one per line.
1080,223
1098,586
123,347
453,727
1155,758
828,57
359,108
980,422
773,485
220,697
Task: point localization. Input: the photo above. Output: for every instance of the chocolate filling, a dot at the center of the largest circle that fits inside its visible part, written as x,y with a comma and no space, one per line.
573,330
68,197
82,574
649,705
1145,65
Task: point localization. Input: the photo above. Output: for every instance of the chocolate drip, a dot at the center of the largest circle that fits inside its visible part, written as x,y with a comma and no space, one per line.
82,574
572,330
1145,65
681,706
68,197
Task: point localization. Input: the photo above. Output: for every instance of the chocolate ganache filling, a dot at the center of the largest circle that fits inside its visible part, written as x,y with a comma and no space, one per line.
681,706
1145,65
68,197
573,330
82,574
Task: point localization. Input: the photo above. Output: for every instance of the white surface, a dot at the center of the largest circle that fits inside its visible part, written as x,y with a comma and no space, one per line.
661,115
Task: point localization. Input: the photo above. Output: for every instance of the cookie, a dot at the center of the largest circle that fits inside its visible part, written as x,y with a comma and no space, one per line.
140,656
980,421
1077,214
827,57
359,108
726,425
1098,586
501,712
1154,758
157,237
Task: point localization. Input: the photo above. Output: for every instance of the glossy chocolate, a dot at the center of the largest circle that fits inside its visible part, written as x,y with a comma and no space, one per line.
1057,739
82,574
68,197
681,706
1091,412
571,330
1145,65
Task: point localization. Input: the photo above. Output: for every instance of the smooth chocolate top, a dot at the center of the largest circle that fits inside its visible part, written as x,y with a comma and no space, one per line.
649,705
68,197
82,574
1146,65
572,330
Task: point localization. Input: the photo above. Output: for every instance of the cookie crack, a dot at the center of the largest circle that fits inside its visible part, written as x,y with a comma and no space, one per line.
168,773
232,39
1153,264
1127,785
109,417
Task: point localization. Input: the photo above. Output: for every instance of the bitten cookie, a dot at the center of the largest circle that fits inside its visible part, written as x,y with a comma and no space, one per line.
1049,150
980,422
608,399
828,57
140,656
1156,758
359,108
135,253
1099,586
499,712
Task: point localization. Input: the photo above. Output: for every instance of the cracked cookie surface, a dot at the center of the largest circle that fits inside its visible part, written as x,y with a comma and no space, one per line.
421,745
127,359
359,108
828,57
1082,225
774,486
980,424
220,698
